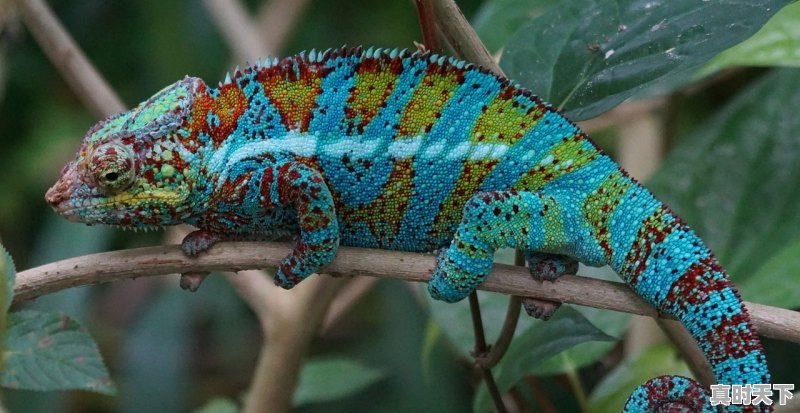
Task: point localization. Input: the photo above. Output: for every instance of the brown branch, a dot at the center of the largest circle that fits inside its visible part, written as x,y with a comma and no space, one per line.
770,321
500,347
289,335
345,301
460,35
427,23
480,352
82,77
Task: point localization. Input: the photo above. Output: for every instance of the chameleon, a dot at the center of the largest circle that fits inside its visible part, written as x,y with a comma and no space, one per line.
410,151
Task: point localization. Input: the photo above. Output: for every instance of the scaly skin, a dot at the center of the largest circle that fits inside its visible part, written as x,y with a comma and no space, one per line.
413,152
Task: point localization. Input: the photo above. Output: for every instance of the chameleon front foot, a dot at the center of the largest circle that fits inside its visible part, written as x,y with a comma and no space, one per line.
198,241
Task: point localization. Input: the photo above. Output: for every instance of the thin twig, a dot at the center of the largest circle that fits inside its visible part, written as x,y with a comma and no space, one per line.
345,301
481,350
461,36
80,74
427,22
500,346
770,321
477,324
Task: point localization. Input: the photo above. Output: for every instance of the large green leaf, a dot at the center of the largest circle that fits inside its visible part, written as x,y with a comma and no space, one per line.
615,388
776,44
50,351
497,20
734,179
587,56
566,329
323,380
777,282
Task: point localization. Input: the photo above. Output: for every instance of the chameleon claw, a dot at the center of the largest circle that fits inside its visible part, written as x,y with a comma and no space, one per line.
540,309
191,280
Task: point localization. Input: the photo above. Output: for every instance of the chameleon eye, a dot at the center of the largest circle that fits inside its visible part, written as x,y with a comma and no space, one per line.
112,167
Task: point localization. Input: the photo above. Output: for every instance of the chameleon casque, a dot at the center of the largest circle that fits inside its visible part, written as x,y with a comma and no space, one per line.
414,152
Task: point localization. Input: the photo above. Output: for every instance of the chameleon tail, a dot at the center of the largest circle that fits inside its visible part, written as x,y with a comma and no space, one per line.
671,268
668,394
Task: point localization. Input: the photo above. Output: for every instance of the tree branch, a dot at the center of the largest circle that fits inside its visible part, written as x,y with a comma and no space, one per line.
770,321
82,77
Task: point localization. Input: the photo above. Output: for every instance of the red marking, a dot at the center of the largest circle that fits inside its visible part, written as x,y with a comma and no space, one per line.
696,283
229,107
266,184
203,103
728,340
652,232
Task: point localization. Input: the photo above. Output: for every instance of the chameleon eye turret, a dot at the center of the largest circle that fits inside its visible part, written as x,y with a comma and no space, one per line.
112,166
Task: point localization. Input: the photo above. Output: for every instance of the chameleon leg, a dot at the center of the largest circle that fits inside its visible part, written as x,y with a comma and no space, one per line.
546,267
532,221
303,188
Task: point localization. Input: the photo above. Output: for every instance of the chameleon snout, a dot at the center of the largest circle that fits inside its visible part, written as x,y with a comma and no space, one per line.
58,196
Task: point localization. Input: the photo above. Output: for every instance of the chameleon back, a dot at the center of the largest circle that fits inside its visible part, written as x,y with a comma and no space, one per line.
403,140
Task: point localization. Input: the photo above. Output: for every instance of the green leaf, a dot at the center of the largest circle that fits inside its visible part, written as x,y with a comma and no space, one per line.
776,44
9,272
615,388
50,351
777,282
566,329
219,405
734,179
323,380
587,56
497,20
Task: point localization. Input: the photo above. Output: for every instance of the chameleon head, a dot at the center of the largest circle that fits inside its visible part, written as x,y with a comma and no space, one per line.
134,169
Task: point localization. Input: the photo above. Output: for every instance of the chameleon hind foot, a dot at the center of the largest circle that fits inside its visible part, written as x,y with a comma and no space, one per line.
546,267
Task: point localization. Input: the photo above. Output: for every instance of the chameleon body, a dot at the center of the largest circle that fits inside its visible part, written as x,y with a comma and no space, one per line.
405,151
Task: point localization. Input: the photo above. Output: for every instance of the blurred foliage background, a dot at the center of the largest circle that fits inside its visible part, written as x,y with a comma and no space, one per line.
732,172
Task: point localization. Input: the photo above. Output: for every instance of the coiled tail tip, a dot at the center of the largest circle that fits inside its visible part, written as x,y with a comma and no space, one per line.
669,394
